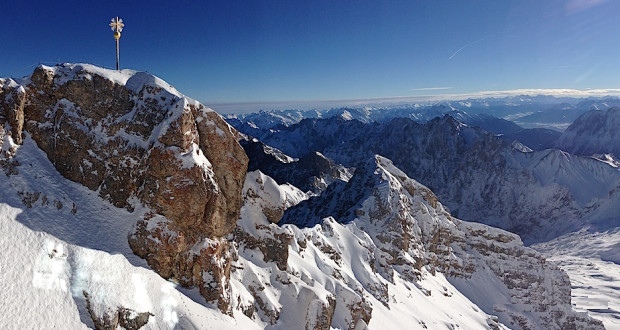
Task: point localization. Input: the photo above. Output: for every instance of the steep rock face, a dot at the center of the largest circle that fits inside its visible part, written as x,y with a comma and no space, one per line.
137,141
12,99
413,234
311,173
594,132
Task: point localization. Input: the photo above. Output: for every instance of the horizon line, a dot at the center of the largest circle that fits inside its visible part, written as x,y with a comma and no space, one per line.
254,106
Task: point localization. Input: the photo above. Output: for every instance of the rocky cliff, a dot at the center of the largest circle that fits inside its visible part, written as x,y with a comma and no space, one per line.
140,144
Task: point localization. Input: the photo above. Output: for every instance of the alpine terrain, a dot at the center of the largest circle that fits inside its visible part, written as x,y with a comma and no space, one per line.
125,204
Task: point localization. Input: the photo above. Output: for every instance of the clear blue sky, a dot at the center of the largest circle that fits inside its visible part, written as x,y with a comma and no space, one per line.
240,51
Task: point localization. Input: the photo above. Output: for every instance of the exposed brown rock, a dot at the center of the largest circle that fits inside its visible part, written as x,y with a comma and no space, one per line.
120,316
141,141
12,100
323,314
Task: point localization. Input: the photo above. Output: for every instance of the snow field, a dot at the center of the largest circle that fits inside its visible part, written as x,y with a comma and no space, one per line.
591,260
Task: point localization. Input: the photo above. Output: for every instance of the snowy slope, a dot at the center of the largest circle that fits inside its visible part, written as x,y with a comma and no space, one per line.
60,239
411,234
331,269
592,261
41,271
594,132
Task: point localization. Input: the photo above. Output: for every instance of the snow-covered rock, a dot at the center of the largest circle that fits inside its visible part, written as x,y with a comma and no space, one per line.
410,238
61,240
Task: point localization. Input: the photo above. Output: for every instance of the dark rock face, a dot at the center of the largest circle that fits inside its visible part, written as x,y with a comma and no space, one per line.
135,140
313,172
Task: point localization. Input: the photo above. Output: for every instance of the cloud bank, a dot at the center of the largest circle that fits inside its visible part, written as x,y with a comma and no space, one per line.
245,107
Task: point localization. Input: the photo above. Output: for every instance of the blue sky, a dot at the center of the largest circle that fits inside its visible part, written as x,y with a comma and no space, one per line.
259,51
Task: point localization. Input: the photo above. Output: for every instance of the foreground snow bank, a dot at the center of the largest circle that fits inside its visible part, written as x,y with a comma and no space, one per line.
43,280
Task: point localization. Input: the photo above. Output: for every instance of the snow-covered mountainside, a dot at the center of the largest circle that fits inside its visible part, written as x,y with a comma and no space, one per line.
592,260
61,242
539,195
594,132
282,277
410,237
127,205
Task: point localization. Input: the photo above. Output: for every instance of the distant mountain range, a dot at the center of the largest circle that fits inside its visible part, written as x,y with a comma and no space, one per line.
479,175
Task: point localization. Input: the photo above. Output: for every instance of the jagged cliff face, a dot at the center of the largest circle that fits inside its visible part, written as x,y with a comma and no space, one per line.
137,141
381,251
311,173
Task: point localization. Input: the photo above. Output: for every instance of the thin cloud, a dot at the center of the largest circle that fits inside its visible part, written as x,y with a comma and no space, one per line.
472,43
576,6
431,89
245,107
506,31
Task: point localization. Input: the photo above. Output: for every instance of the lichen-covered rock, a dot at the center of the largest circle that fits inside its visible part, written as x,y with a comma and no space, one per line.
135,140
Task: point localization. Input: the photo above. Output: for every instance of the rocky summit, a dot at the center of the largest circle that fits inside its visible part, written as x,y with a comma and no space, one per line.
135,140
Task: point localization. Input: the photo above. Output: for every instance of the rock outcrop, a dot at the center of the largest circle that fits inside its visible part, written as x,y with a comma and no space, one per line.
111,319
137,142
